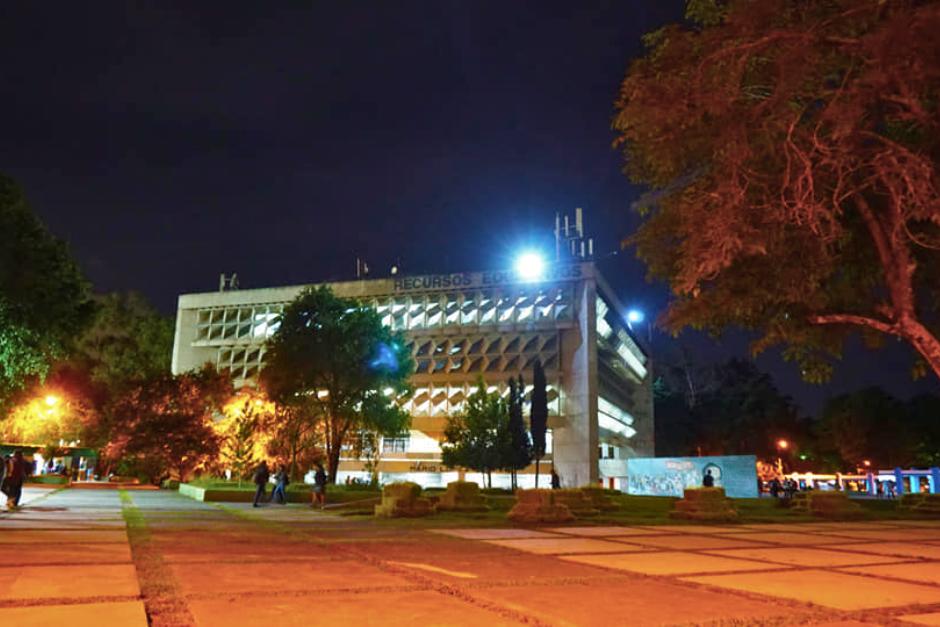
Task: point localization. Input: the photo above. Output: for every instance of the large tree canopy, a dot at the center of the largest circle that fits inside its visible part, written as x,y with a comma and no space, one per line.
792,151
332,359
128,340
44,300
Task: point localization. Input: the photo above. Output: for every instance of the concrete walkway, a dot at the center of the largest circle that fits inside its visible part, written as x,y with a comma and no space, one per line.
98,557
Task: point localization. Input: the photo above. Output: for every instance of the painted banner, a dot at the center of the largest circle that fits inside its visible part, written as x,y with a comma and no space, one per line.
669,476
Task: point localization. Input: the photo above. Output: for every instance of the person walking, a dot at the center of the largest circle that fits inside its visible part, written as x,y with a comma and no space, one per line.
260,477
319,487
278,494
13,482
556,480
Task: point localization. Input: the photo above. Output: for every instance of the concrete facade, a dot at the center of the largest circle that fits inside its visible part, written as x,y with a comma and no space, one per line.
459,326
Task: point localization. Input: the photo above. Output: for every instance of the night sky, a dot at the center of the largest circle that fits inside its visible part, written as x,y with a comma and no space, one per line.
170,141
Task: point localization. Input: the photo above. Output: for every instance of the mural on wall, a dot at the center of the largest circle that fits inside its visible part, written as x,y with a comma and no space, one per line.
669,476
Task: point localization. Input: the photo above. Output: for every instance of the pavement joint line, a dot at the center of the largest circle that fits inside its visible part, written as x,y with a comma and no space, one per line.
313,592
11,603
163,602
8,565
425,582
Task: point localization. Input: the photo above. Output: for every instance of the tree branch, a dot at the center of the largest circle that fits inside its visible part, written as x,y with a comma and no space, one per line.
861,321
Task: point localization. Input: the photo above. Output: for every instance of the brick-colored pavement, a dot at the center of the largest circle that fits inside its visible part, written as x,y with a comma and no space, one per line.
84,557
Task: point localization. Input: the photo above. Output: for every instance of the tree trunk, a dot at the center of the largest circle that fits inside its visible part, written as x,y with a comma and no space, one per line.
332,464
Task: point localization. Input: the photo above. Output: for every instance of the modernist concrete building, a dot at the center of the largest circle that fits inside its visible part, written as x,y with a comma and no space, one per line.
458,326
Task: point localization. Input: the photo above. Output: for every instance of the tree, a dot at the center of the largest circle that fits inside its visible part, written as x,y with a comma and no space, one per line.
383,420
44,300
791,149
519,455
333,361
478,438
921,416
538,416
240,435
295,436
163,425
738,411
868,424
127,341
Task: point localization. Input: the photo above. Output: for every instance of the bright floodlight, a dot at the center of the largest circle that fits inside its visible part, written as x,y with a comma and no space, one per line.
52,400
530,266
635,316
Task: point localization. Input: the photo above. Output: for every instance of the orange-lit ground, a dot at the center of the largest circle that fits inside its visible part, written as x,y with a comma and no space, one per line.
70,558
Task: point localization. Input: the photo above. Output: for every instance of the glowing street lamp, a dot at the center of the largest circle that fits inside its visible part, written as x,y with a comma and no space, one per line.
51,400
782,445
530,266
636,316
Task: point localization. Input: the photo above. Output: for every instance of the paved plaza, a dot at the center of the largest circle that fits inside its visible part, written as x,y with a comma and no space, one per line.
99,557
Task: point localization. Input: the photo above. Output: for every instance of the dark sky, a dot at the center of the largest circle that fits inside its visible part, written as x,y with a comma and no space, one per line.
172,141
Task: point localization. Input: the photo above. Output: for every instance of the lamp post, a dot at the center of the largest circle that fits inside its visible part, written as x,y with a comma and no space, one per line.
782,445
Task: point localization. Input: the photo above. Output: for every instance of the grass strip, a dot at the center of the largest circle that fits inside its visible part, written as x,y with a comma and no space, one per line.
163,600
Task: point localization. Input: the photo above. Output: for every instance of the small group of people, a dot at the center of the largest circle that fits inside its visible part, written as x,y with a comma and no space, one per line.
262,476
13,473
786,488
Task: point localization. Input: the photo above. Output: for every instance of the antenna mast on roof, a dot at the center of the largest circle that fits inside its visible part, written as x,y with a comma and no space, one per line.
569,238
228,282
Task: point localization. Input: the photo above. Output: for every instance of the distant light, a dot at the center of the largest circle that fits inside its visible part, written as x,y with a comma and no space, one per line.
530,266
783,444
52,400
388,391
866,463
635,316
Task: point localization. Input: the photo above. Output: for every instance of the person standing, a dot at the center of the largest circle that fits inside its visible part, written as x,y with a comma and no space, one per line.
278,494
260,477
16,475
556,480
319,487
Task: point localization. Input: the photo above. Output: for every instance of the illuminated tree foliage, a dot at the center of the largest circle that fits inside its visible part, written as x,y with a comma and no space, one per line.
44,300
792,151
334,362
479,438
163,426
46,420
243,439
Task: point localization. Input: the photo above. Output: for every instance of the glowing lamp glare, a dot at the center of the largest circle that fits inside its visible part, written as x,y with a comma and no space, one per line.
530,266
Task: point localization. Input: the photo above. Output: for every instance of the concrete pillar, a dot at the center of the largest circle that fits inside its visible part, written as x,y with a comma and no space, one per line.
575,435
872,485
898,481
934,480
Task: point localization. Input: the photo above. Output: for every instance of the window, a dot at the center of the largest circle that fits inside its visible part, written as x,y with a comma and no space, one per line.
395,445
